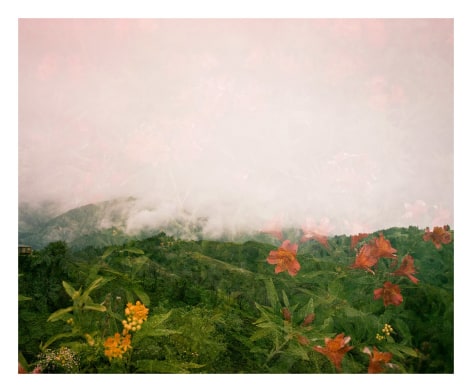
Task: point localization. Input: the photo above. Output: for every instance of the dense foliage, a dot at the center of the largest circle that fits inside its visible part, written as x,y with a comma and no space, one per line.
163,305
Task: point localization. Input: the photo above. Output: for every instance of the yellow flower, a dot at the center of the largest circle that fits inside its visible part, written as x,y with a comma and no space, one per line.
112,346
126,342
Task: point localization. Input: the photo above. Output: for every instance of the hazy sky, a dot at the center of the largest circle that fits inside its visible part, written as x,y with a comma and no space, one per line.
342,123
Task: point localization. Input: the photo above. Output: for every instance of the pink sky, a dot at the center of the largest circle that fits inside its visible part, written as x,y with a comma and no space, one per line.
244,120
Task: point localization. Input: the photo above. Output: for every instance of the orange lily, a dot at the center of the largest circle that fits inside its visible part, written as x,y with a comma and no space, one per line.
318,232
439,236
335,349
365,258
390,294
356,238
378,360
383,248
285,258
407,269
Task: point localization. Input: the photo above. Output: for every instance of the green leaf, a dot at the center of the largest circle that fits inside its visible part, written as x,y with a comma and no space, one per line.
159,319
108,252
142,295
156,332
310,307
23,298
57,315
297,351
95,284
170,367
285,299
261,333
134,250
271,293
96,307
43,347
71,292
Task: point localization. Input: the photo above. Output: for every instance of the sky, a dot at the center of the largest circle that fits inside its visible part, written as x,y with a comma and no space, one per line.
342,124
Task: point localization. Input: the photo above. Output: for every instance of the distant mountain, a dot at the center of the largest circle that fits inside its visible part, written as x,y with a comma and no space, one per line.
100,224
107,223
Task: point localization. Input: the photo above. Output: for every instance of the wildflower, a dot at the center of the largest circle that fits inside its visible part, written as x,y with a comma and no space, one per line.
387,329
365,258
126,342
390,294
113,347
356,238
383,248
134,314
285,259
335,349
407,269
379,337
318,232
378,360
439,236
62,360
322,239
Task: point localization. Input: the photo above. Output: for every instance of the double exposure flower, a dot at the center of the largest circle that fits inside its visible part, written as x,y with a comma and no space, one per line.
335,349
318,232
274,228
439,236
383,248
365,258
285,258
407,269
356,238
378,360
390,293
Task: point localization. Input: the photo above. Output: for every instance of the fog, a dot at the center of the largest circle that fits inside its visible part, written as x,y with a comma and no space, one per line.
341,124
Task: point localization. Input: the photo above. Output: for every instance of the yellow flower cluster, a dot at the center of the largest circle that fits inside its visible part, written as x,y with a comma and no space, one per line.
135,316
387,330
117,345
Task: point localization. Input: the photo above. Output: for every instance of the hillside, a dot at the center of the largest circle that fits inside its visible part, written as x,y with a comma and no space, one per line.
224,302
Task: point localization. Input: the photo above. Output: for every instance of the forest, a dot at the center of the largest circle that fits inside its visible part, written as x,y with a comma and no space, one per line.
296,302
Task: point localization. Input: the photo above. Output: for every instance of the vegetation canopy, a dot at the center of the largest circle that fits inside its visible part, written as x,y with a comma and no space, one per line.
290,302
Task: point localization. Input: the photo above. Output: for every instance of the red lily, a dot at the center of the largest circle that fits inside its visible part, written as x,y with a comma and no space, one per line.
365,258
407,269
378,360
318,232
285,258
383,248
439,236
356,238
390,294
335,349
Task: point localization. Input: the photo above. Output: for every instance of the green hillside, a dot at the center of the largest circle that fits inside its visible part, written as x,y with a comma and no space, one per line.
220,307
